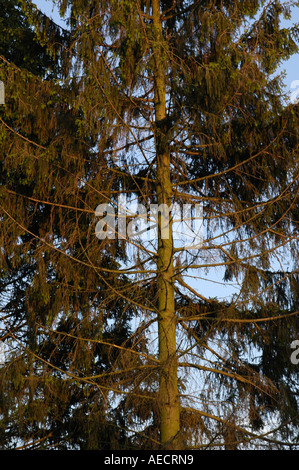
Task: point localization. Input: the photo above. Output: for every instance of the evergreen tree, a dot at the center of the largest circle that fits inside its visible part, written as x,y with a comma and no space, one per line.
175,104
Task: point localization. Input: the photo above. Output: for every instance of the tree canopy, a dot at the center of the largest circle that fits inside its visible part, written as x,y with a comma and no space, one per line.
115,339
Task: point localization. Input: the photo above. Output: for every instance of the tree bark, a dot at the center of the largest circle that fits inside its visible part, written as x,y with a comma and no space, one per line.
168,383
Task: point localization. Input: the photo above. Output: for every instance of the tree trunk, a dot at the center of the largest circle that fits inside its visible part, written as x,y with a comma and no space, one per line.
168,382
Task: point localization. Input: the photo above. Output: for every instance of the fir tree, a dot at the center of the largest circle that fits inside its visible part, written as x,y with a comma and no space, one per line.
160,103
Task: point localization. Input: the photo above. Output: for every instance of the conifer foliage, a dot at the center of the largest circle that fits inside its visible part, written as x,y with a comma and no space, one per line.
117,336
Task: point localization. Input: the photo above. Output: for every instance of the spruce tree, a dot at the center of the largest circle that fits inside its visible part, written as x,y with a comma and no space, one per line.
176,104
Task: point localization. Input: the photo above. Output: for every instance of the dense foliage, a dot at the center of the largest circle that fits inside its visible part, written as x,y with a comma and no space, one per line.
109,339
